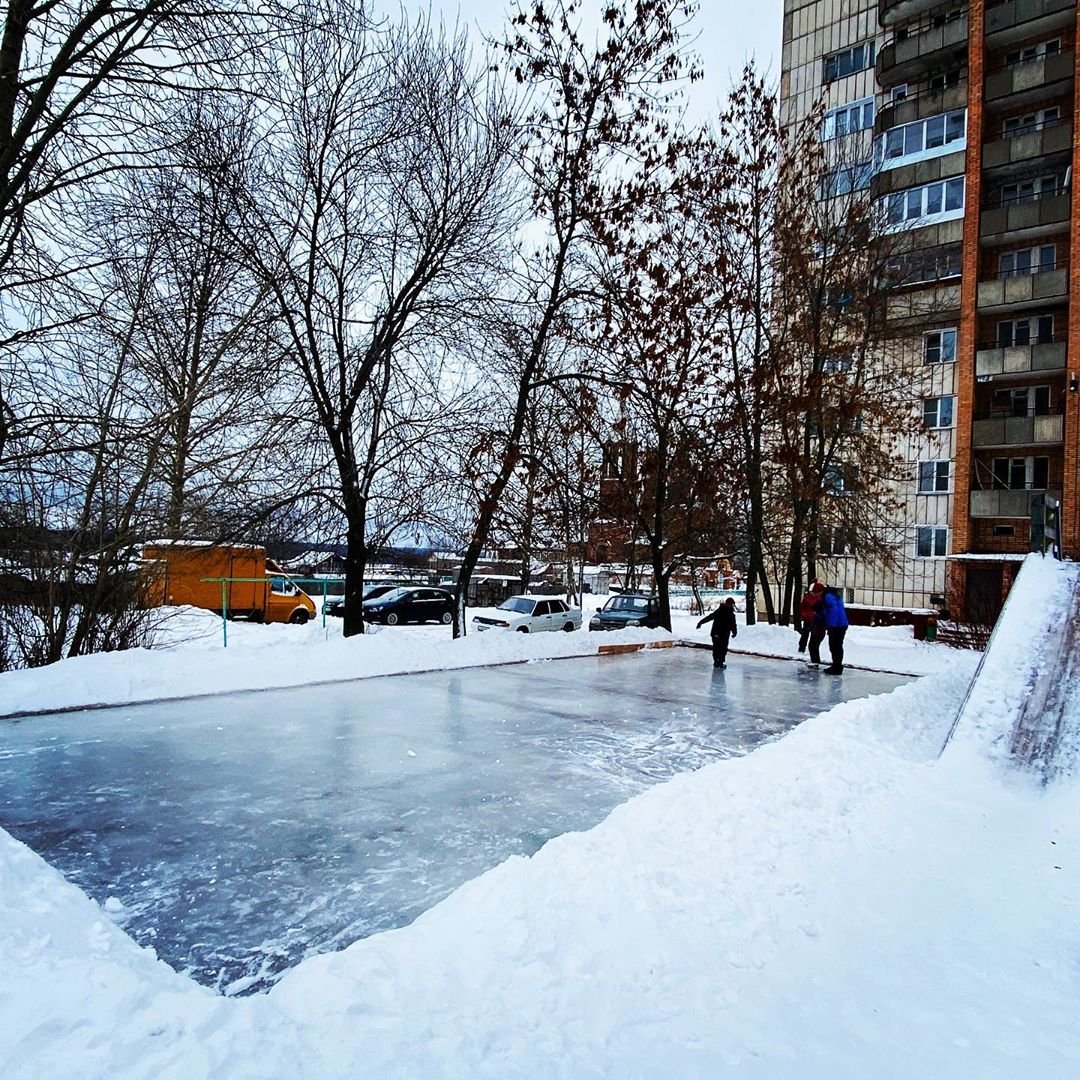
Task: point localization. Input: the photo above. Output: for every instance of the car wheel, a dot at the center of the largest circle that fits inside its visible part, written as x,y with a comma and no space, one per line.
568,627
522,629
392,619
299,617
447,618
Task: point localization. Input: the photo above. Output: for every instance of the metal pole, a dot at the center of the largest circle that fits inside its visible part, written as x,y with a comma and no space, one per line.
224,617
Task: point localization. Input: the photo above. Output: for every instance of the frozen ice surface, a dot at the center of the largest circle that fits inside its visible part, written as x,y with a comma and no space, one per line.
239,834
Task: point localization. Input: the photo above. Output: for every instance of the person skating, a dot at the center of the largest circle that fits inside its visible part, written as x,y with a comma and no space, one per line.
834,616
723,628
806,613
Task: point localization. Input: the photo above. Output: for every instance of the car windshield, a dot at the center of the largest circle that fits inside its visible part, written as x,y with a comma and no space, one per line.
628,603
394,594
518,604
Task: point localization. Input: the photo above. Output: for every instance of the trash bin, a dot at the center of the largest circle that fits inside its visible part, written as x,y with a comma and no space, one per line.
931,629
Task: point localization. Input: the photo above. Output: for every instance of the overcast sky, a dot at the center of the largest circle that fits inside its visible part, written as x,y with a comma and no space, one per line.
729,33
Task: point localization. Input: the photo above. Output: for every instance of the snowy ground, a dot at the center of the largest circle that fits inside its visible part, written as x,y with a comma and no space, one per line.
841,903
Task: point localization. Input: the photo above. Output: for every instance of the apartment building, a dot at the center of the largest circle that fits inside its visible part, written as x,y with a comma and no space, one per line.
967,114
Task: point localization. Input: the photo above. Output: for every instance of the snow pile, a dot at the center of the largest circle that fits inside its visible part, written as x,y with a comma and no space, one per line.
841,903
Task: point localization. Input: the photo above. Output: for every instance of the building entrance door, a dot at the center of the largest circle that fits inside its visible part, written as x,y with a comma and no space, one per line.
982,595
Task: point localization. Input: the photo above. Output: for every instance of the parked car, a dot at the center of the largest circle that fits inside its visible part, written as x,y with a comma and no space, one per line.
530,615
335,605
627,609
413,604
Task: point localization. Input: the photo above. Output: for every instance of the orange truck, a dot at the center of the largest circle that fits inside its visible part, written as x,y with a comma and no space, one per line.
175,572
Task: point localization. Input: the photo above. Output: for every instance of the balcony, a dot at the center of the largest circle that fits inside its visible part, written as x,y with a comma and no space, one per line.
1023,290
1050,139
1025,18
1005,504
920,303
920,107
996,361
1029,80
935,49
890,12
995,431
1023,220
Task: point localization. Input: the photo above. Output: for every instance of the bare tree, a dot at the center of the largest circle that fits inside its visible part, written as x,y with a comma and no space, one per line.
376,225
202,342
591,139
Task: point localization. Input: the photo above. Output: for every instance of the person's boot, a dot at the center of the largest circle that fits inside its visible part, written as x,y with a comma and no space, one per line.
831,670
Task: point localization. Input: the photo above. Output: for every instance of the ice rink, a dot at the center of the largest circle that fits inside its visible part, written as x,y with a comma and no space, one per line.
238,834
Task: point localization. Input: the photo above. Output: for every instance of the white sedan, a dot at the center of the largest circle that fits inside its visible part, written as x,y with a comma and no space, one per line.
530,615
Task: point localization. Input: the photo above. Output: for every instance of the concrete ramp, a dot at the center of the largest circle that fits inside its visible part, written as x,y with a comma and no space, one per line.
1026,689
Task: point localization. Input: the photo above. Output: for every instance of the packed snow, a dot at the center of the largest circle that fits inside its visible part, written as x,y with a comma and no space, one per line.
842,902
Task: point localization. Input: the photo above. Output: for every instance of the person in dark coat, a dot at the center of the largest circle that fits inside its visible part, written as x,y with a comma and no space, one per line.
806,613
724,627
834,616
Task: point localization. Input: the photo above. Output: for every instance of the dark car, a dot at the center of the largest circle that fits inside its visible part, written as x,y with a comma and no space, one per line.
415,604
627,609
335,605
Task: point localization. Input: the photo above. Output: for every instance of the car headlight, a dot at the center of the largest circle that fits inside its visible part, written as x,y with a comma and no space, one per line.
633,622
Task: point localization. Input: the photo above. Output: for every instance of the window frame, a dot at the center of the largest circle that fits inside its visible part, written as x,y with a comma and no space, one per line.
934,477
936,403
831,125
941,333
925,204
835,60
937,536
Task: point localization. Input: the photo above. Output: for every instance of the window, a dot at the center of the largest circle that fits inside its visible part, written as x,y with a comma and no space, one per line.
840,477
1004,530
1021,401
1027,53
1021,474
858,116
943,200
848,61
939,346
899,93
931,541
836,541
938,411
834,365
933,477
1028,122
1037,330
940,83
1038,187
923,138
1034,260
846,179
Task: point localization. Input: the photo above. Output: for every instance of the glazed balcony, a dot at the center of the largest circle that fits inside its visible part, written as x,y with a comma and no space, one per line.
1026,18
1027,81
1025,220
920,106
992,431
1046,141
1005,504
937,48
1020,290
994,361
